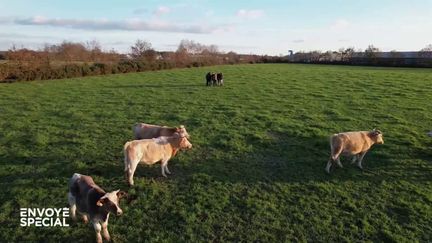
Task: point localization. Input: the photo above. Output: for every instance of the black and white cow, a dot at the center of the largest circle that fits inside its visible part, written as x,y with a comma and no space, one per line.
211,79
93,203
208,79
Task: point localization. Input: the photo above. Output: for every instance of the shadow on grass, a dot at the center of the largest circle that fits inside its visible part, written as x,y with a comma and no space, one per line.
174,85
285,157
289,158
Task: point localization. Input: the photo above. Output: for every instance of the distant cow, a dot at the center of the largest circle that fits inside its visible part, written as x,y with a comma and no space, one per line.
214,79
208,79
354,144
211,79
219,78
93,202
151,151
430,134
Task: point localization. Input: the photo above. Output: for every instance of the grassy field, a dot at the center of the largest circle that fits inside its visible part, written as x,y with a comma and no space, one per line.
256,172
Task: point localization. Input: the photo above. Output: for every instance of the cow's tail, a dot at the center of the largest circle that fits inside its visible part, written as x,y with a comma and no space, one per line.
126,160
73,187
336,148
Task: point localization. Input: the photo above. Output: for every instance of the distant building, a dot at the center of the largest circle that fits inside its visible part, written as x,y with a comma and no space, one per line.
403,58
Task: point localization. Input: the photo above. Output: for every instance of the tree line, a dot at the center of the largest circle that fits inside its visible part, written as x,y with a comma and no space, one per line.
74,59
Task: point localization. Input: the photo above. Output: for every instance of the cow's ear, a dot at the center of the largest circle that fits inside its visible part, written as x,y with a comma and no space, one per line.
121,194
101,202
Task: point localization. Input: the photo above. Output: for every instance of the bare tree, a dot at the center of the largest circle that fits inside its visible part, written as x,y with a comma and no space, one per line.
143,50
348,54
95,50
314,56
371,51
426,52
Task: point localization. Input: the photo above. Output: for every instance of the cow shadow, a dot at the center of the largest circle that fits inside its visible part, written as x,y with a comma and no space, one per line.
283,157
290,158
172,86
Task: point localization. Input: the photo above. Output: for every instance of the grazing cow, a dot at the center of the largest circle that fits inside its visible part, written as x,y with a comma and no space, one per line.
151,151
93,202
219,77
354,144
430,134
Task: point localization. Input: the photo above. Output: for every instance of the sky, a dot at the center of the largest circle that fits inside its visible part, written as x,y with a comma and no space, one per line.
260,27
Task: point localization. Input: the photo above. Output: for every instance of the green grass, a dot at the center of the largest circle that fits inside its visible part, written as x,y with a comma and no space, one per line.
256,172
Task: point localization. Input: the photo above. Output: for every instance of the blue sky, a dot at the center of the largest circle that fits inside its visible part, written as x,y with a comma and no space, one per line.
261,27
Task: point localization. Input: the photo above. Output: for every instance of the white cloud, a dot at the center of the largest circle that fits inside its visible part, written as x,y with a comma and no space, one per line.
250,14
340,24
161,10
130,25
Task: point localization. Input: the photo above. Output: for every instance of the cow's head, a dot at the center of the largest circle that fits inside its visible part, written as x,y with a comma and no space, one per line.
376,136
110,202
183,141
182,131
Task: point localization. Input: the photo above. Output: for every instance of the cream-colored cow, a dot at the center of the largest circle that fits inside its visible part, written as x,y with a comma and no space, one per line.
146,131
151,151
354,144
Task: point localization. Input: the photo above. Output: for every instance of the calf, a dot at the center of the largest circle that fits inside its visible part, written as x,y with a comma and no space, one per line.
151,151
354,144
93,202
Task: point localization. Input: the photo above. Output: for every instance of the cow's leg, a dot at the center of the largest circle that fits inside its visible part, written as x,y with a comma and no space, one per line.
105,232
354,158
166,169
72,205
336,153
339,162
131,172
98,228
329,164
360,159
85,218
164,163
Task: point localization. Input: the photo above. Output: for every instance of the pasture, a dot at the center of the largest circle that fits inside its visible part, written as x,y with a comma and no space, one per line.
256,171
